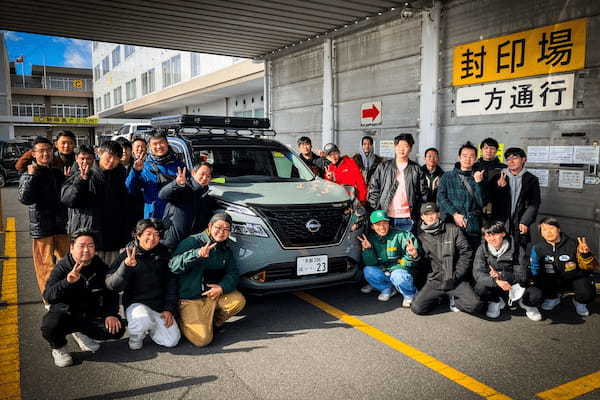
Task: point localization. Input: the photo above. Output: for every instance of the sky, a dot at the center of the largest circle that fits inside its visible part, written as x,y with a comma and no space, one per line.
57,51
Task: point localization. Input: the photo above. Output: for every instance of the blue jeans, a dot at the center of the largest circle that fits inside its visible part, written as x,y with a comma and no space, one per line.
402,224
400,279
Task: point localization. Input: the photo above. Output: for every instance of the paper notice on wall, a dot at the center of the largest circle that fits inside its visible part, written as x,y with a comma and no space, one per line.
586,154
570,179
538,154
561,154
386,148
542,175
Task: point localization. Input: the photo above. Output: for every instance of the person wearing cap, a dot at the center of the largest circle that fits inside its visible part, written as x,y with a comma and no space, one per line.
313,161
366,159
446,254
500,268
515,197
389,257
208,277
398,186
344,171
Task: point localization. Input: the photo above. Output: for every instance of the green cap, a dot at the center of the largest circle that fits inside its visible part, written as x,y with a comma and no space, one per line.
378,215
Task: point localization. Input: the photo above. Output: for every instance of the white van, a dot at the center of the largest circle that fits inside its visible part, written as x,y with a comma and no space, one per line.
130,129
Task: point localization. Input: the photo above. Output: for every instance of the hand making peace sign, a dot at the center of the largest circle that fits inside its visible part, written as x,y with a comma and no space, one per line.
130,260
204,251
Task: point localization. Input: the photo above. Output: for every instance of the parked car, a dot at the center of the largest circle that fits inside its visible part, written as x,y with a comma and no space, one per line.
291,229
10,151
131,129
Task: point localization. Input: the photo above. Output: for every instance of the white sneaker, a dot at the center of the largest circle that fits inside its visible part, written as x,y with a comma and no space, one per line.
136,342
407,301
386,294
452,305
47,307
62,358
580,308
366,289
85,342
532,312
493,310
549,304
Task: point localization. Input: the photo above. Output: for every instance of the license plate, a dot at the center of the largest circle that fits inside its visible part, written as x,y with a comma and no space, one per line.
311,265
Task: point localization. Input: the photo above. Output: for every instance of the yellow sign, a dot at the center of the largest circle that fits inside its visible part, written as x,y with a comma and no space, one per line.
546,50
78,84
67,120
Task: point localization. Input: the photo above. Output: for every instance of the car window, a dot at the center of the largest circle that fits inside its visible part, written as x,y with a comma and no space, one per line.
142,128
123,130
178,150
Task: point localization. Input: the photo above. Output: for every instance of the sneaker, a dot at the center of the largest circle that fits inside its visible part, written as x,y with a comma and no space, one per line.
407,301
366,289
62,358
85,342
493,310
453,307
580,308
47,307
386,294
136,342
549,304
532,312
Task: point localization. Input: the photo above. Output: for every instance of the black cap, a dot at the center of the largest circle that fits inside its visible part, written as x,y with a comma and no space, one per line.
330,148
221,216
515,151
429,207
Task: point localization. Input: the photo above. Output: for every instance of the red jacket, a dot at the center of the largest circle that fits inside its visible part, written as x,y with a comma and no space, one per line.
347,172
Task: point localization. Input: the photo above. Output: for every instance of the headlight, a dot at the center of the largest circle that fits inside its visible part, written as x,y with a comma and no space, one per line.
235,208
242,228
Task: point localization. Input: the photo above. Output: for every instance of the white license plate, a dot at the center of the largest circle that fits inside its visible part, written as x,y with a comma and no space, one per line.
311,265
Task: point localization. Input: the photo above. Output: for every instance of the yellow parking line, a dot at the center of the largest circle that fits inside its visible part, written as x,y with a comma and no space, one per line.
10,378
430,362
573,389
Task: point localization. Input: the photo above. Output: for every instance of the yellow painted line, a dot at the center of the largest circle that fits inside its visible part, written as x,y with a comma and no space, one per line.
425,359
573,389
10,378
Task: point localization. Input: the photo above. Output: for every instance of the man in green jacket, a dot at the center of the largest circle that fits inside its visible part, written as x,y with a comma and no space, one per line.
208,277
389,256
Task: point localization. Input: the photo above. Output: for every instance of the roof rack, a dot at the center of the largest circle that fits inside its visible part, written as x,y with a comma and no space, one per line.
209,121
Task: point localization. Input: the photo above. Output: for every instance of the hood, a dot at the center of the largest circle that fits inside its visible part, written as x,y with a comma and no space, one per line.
276,193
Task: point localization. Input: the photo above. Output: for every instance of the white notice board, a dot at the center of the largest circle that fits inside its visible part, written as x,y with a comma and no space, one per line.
570,179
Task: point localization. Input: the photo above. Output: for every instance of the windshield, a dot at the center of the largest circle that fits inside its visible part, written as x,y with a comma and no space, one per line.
249,164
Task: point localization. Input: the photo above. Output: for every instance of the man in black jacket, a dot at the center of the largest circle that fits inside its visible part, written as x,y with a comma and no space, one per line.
79,301
447,256
398,186
491,166
432,172
314,162
39,189
96,198
366,159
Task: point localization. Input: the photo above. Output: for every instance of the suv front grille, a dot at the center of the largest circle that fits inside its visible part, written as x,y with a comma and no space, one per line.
290,223
288,270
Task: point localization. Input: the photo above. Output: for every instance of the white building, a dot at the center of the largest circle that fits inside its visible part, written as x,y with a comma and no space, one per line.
142,82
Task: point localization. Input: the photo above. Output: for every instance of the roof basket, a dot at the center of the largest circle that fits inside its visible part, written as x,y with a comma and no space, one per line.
186,125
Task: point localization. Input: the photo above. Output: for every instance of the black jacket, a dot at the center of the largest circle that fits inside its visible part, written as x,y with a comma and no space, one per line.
511,265
383,185
447,255
188,210
558,260
41,193
150,282
367,174
316,164
99,203
88,296
433,181
491,168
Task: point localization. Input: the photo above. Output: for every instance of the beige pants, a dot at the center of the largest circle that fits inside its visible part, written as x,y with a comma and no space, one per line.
198,316
46,252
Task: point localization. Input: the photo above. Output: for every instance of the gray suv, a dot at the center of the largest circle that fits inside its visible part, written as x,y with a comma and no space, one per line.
291,230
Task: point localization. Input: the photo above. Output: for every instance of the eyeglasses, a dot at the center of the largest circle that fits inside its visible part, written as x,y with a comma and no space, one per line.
221,230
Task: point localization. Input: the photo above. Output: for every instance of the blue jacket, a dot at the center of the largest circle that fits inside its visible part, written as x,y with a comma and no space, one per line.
147,180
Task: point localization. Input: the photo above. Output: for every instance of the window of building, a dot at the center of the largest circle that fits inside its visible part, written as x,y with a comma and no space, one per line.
71,110
171,71
195,62
130,90
129,50
97,72
118,96
105,65
107,100
28,110
148,82
98,104
116,56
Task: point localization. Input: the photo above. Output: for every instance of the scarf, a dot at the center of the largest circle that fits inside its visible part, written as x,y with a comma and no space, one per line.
497,253
433,228
167,158
367,159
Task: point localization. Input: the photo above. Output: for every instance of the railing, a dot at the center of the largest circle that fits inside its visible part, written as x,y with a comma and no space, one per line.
52,83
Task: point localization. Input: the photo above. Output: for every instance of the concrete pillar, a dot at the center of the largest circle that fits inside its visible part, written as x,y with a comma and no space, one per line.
328,114
267,91
430,43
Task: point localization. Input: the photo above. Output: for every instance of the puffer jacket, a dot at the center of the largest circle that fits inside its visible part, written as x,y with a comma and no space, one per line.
561,259
383,186
511,265
41,193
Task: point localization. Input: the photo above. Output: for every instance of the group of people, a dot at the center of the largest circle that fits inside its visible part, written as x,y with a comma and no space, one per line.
127,218
464,234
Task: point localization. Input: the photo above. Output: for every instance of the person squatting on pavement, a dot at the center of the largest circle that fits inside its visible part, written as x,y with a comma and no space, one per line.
79,301
398,186
389,256
447,256
559,262
344,171
39,189
149,287
208,277
498,267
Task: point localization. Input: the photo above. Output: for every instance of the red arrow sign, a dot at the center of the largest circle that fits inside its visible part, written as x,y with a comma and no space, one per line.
372,112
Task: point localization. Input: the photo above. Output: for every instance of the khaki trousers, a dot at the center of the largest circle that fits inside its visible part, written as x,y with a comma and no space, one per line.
198,316
46,252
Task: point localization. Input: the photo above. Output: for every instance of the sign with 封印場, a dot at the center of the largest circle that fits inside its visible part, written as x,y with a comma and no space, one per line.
67,120
549,93
546,50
